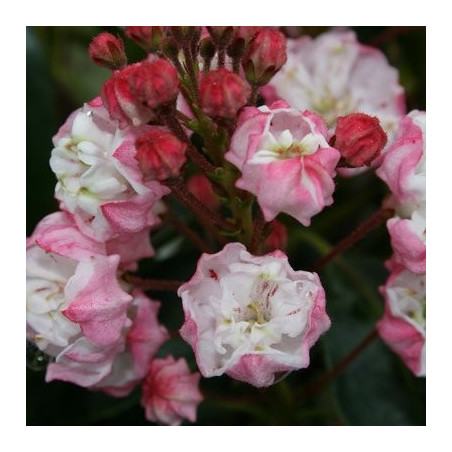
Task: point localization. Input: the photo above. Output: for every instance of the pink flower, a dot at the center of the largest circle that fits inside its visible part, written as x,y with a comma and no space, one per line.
251,317
285,160
141,342
333,75
117,368
170,392
403,324
403,165
99,181
408,240
72,289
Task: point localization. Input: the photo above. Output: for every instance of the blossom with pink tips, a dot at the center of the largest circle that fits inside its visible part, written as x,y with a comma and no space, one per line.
333,75
170,392
72,289
285,160
403,164
408,240
402,326
99,181
251,317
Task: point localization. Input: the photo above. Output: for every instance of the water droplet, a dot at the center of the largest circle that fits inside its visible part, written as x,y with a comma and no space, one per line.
36,359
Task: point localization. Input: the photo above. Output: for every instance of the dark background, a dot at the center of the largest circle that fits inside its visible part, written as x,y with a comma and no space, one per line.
376,389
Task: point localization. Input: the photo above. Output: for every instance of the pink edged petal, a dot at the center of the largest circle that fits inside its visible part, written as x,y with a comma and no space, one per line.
408,248
57,233
83,363
146,334
132,215
96,300
404,340
131,247
257,370
251,125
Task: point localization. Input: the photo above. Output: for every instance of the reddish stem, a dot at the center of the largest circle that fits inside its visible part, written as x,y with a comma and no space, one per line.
379,217
258,229
318,385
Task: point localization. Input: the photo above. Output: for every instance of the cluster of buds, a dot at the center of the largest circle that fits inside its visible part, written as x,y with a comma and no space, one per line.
183,123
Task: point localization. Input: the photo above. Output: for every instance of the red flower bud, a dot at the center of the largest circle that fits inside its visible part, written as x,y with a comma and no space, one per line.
148,38
160,154
277,239
265,57
223,93
359,138
201,188
121,103
248,33
108,51
155,83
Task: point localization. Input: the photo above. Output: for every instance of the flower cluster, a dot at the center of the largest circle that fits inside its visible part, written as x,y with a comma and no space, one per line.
403,170
184,130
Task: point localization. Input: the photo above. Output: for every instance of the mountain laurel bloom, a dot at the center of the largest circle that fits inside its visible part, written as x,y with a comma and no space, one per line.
99,181
402,326
333,75
251,317
403,166
170,392
285,160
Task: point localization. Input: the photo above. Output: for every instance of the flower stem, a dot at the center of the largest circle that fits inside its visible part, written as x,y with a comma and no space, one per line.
258,229
202,213
318,385
379,217
173,220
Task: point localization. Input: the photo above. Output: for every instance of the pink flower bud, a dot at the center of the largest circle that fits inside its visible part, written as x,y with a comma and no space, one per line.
199,186
277,239
155,83
359,138
170,392
223,93
108,51
248,33
265,57
160,154
148,38
121,103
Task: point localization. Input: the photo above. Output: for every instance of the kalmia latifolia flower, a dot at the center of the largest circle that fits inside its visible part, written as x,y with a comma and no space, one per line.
359,138
403,324
99,181
170,392
223,93
149,38
403,165
108,50
265,56
285,160
334,75
251,317
160,154
80,313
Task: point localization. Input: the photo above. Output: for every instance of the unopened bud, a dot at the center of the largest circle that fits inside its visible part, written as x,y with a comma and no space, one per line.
277,239
155,83
265,56
201,188
248,33
149,38
121,103
160,154
108,51
359,138
223,93
207,49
